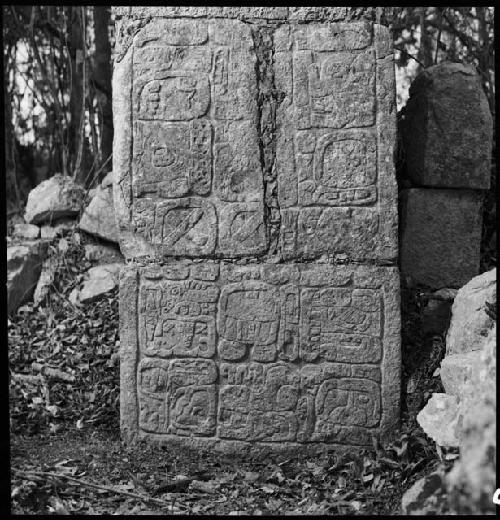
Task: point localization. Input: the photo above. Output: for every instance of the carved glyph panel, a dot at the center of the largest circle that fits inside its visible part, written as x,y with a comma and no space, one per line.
260,353
336,126
192,184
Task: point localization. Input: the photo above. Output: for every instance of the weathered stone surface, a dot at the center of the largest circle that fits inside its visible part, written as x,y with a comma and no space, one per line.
28,231
457,369
268,353
470,323
187,172
45,280
448,129
107,182
441,236
296,14
472,481
336,128
53,199
98,281
99,216
103,253
439,419
426,497
24,263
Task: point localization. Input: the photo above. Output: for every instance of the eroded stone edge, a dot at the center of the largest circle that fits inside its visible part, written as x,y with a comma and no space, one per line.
391,362
385,96
129,353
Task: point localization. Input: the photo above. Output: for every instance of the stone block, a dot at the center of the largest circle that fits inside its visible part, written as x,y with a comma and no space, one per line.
335,138
98,281
24,264
53,199
448,129
99,216
441,236
28,231
188,175
440,419
285,355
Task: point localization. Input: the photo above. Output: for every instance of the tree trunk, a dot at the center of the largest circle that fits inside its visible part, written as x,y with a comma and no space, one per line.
484,58
77,91
425,50
11,184
101,79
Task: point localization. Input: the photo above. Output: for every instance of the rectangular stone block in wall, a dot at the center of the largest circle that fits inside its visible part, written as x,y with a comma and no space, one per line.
447,129
266,354
441,236
335,140
186,149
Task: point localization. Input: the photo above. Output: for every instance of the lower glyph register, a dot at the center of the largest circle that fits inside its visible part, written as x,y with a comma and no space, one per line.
264,353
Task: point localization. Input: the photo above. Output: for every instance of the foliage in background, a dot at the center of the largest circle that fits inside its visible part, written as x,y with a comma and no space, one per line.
57,87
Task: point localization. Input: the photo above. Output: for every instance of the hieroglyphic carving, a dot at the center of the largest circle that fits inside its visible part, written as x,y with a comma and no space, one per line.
177,317
248,317
195,134
340,324
329,170
215,113
192,395
265,353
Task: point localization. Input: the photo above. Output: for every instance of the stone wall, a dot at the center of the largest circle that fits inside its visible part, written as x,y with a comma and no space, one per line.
447,139
256,203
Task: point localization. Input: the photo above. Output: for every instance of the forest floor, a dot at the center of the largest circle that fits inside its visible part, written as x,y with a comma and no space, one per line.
67,456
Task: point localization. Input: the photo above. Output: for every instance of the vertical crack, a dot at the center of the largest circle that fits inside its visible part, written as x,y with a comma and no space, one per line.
266,103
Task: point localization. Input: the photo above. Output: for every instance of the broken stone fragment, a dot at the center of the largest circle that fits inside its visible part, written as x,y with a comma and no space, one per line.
473,479
53,199
470,323
457,369
439,419
426,497
44,282
24,264
98,281
28,231
103,253
99,216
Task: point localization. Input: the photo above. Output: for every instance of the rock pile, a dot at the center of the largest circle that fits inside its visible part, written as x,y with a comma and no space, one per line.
52,210
465,416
